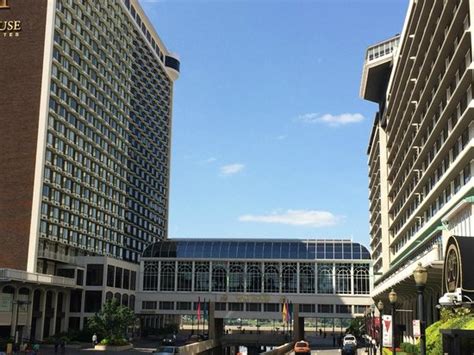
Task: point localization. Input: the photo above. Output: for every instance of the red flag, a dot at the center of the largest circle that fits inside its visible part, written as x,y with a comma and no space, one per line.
199,309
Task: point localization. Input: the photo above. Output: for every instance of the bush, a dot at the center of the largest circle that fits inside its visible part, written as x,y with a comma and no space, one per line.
114,341
410,348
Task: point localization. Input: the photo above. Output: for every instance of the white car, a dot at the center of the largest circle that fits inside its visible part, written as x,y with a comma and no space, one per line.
349,339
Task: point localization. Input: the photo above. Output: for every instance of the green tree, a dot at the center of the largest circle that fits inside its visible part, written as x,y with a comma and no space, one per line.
112,321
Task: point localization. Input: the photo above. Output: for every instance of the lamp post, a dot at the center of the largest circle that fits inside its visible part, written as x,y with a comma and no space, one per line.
392,297
380,308
421,277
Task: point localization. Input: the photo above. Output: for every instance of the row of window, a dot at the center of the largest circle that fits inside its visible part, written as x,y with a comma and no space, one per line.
307,278
251,307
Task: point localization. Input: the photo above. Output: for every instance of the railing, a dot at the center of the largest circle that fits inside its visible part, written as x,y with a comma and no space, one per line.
382,49
19,275
48,254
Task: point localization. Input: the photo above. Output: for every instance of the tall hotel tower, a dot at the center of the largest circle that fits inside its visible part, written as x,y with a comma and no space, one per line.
421,149
85,127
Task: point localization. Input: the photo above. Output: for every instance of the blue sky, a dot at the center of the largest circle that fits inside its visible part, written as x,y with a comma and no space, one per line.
269,133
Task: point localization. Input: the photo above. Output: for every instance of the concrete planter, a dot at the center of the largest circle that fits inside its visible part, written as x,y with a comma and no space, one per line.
113,347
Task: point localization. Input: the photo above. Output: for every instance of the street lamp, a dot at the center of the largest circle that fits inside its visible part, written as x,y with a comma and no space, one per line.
421,277
380,307
392,297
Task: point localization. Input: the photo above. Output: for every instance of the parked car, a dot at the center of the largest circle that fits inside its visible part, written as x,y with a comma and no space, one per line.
166,350
349,349
169,340
302,347
349,339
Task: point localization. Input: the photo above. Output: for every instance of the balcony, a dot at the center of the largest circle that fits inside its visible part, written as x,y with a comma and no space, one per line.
30,277
48,254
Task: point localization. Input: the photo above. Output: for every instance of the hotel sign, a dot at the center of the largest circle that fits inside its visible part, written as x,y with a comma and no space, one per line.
9,27
457,270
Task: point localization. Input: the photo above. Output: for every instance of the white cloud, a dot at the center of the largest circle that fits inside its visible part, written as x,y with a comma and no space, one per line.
231,169
208,160
309,218
331,120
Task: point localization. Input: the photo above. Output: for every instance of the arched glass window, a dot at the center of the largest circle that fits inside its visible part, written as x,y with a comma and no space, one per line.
219,277
150,276
167,274
236,277
289,278
185,275
201,276
118,297
271,278
254,277
307,279
109,296
325,278
131,304
343,279
125,300
361,279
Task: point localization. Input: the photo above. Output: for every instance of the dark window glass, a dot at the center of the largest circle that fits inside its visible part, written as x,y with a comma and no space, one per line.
76,300
253,307
80,277
220,306
93,301
233,250
183,306
225,250
325,308
356,252
166,305
329,251
126,279
276,248
236,306
110,275
343,308
118,277
320,251
347,251
133,281
267,250
271,307
338,251
95,275
149,305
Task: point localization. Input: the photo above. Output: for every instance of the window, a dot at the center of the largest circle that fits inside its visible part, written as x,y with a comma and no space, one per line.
307,278
236,277
271,307
253,307
308,308
219,277
126,279
95,273
236,306
93,301
166,305
183,306
167,276
150,276
289,278
220,306
149,305
271,277
110,275
343,279
361,279
325,277
325,308
185,274
118,277
343,308
254,277
201,276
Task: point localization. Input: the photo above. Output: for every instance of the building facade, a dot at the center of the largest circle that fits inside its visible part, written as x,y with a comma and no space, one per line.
87,90
421,148
251,279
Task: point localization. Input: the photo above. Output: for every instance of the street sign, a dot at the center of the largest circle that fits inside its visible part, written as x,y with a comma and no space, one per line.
416,328
387,330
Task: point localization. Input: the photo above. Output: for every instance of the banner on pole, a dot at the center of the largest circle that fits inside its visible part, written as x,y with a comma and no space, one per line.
387,330
416,328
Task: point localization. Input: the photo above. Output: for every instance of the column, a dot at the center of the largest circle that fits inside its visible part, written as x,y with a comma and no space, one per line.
83,300
66,305
40,320
298,330
29,314
14,318
297,277
54,303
